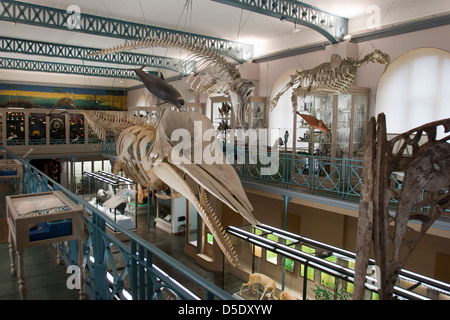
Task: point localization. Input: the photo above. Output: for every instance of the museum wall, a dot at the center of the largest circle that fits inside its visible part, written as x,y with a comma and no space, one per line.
367,76
269,77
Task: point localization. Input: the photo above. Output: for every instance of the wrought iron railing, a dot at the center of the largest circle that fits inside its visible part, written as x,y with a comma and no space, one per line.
130,268
339,178
336,177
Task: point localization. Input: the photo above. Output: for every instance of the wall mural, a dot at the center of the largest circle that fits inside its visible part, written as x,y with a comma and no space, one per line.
28,96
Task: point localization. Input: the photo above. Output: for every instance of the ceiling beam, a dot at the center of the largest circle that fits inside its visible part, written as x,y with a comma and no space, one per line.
39,48
67,68
383,32
331,26
68,20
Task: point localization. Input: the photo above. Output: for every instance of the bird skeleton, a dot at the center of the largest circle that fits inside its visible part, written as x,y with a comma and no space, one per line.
148,155
214,74
332,77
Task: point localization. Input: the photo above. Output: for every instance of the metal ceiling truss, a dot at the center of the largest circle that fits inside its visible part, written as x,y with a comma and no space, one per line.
333,27
74,69
32,14
47,49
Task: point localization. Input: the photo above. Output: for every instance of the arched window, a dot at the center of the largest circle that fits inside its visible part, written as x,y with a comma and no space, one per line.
415,89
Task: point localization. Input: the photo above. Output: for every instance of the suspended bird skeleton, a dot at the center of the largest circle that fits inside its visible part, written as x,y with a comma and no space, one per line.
214,74
332,77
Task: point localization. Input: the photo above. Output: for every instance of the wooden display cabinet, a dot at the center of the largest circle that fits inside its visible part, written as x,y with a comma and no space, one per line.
223,117
40,219
345,116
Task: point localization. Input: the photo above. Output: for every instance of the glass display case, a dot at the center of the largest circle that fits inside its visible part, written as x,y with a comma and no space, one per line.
306,269
113,195
76,128
15,128
222,115
360,117
320,106
344,115
343,125
41,219
57,128
37,128
171,213
164,214
257,113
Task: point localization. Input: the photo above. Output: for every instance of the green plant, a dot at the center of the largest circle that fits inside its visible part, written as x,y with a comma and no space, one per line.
324,293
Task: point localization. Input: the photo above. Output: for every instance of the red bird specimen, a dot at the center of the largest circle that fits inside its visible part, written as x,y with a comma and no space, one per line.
313,122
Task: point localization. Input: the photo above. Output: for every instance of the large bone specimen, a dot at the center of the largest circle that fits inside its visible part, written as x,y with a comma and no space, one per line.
424,162
102,122
213,72
332,77
149,155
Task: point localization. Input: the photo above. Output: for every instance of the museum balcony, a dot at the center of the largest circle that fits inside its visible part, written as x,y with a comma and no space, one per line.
120,263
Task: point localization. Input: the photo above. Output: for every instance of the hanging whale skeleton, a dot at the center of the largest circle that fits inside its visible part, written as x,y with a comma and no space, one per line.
214,74
147,154
145,150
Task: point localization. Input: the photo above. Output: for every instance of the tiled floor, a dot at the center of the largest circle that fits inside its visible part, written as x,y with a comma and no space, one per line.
46,280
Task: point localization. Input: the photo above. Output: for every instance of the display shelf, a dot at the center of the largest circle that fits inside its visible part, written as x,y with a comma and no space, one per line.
171,214
344,115
223,116
320,106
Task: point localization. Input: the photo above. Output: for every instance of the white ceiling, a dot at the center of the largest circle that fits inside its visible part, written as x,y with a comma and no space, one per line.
268,35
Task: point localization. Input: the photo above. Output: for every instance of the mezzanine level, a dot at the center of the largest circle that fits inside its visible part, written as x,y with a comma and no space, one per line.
123,269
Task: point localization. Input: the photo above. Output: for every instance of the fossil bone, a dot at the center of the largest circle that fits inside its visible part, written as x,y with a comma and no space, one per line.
214,73
331,77
149,156
423,197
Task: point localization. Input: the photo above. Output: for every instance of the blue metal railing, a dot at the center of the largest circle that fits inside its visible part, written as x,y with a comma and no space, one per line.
116,269
336,177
